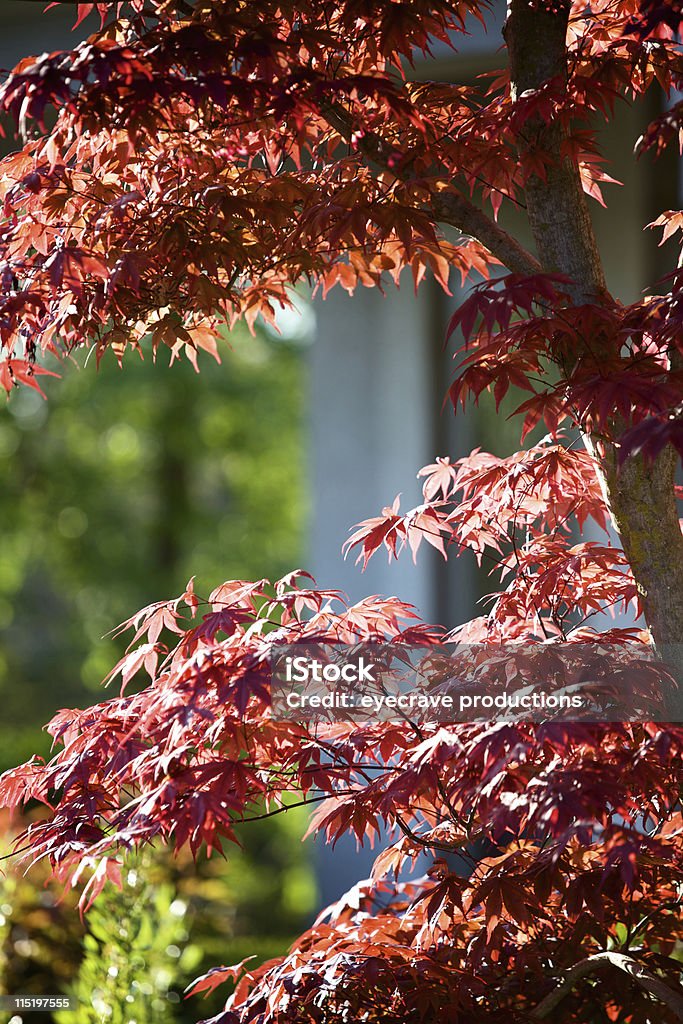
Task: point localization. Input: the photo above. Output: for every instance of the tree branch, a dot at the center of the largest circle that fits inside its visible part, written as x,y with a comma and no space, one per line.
459,212
671,997
536,34
450,208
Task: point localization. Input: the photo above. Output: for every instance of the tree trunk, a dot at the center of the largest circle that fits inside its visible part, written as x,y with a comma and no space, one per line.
640,497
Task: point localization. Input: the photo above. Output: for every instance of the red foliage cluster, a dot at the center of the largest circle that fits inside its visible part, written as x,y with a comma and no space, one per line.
206,157
580,823
204,161
516,329
520,514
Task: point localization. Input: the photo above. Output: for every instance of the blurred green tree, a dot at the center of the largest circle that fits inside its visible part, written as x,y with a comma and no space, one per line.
117,489
112,493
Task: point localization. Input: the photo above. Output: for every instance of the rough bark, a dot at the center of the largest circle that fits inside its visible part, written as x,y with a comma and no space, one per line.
641,498
556,206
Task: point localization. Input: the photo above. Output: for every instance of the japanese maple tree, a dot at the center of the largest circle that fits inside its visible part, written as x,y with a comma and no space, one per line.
188,165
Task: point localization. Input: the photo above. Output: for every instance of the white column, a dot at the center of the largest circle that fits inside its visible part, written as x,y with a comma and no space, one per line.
371,409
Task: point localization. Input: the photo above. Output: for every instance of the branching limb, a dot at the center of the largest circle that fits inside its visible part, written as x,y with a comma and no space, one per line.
671,997
450,208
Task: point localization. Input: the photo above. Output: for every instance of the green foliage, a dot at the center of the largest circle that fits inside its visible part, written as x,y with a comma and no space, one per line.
40,934
173,920
119,488
113,493
136,955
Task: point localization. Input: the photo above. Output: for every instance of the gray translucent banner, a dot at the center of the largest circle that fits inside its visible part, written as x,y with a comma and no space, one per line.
587,682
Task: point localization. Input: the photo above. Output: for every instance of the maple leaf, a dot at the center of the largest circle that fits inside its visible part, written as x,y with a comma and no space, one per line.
21,371
208,982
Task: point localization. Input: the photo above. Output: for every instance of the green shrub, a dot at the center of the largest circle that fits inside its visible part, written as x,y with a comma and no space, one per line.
137,958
